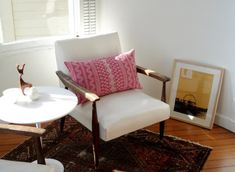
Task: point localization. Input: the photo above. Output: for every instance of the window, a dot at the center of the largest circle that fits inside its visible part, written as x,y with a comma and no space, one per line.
89,16
28,19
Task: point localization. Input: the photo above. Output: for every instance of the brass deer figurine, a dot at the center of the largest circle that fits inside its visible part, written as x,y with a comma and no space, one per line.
23,84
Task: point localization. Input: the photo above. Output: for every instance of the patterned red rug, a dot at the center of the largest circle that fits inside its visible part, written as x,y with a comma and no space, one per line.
139,151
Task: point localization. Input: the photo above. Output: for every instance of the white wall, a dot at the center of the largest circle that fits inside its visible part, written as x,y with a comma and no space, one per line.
39,58
162,30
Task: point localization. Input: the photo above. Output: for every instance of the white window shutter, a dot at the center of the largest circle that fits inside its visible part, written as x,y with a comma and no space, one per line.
88,16
39,18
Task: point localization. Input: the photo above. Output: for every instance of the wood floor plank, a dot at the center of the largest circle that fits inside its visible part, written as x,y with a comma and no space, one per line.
219,163
221,169
226,154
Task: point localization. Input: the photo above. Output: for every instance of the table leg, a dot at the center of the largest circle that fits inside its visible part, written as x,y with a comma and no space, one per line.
38,125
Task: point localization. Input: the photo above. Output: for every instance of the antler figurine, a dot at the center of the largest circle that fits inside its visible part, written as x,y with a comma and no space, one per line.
23,84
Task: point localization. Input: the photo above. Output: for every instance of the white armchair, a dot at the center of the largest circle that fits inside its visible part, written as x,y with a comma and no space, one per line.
113,115
17,166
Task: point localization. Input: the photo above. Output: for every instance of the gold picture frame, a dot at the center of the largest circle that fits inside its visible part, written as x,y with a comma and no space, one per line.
195,91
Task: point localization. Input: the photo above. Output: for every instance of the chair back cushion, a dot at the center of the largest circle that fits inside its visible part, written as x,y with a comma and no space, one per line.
103,45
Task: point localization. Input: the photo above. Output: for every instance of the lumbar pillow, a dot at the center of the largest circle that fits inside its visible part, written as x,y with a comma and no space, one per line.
105,75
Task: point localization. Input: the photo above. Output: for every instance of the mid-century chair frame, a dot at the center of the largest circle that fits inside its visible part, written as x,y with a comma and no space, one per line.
69,83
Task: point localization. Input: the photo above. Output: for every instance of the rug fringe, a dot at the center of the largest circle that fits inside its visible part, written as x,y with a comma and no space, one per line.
179,138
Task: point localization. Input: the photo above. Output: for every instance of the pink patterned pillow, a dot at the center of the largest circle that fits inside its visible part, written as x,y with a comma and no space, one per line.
105,75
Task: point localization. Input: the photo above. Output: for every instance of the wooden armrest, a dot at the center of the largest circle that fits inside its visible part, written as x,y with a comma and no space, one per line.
27,131
23,130
152,73
68,82
155,75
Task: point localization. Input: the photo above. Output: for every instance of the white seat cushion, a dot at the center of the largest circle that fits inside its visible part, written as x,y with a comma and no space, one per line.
122,113
17,166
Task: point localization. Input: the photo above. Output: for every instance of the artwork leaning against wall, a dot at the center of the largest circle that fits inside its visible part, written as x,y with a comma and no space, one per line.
195,92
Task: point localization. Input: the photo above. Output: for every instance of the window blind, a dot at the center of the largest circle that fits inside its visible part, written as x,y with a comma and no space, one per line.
88,17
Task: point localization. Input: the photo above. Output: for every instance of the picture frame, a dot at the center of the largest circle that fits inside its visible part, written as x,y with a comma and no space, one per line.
195,91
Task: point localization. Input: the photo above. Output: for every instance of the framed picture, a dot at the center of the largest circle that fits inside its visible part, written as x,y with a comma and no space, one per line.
195,92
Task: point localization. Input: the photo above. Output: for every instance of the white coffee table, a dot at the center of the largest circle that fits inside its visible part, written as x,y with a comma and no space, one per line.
53,103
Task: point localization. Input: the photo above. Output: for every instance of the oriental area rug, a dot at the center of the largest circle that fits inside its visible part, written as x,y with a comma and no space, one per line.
140,151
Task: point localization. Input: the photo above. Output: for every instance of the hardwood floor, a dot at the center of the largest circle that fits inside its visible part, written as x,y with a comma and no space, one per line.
222,141
221,159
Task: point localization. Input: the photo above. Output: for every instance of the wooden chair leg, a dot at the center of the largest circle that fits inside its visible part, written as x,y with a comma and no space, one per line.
162,127
95,147
96,135
40,157
62,120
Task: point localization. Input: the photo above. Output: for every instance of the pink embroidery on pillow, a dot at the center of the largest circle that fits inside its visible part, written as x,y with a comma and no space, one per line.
105,75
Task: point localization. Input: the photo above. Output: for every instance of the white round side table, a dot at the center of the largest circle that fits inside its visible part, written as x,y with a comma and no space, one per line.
52,103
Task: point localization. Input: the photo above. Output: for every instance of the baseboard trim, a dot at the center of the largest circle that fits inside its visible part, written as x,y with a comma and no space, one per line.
225,122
